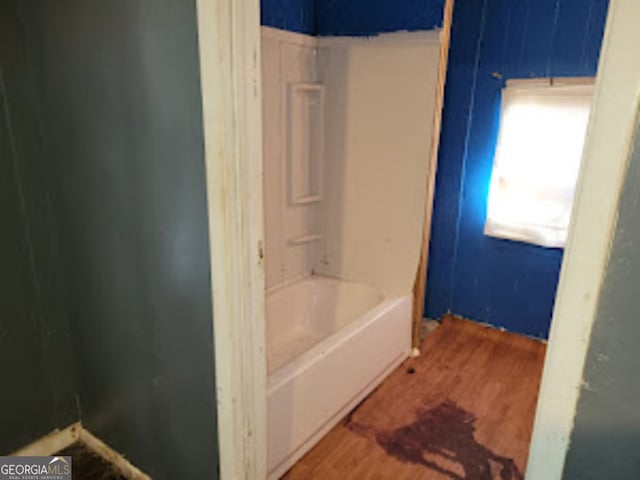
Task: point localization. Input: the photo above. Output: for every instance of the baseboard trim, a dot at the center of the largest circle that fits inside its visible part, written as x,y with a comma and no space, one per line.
52,442
60,439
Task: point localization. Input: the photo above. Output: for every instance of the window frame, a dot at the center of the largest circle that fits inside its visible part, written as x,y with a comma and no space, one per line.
528,232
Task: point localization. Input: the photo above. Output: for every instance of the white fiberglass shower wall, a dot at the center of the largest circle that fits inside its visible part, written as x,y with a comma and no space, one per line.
347,137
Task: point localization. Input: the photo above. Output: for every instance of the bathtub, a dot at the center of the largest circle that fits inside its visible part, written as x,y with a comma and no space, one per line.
329,344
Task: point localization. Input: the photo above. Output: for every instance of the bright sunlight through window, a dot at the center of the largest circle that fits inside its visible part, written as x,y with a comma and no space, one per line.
542,131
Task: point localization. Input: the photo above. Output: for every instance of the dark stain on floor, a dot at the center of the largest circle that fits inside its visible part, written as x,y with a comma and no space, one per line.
446,431
87,465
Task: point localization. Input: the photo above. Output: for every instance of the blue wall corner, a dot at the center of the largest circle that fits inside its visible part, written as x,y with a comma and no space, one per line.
504,283
461,74
293,15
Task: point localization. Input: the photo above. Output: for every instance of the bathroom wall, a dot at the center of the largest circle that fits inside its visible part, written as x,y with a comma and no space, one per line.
289,60
504,283
120,92
347,158
39,386
379,118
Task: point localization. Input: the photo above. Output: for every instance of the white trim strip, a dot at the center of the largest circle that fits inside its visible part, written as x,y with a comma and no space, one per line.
52,442
58,440
550,82
404,38
421,37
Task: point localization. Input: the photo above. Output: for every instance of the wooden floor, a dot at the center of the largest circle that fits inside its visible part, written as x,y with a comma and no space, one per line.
463,410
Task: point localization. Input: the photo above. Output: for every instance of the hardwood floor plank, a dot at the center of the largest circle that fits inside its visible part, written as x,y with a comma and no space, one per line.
463,410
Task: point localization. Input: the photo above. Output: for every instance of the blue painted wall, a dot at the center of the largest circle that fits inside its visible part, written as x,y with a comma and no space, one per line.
351,17
293,15
358,17
504,283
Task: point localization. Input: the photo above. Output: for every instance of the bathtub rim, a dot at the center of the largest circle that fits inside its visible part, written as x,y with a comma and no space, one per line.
298,365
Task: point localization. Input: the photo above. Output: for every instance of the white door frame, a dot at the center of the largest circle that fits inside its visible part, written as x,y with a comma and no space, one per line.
229,39
229,44
594,218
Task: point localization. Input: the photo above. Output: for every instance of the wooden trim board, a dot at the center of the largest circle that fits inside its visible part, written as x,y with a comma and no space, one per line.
229,39
52,442
421,274
58,440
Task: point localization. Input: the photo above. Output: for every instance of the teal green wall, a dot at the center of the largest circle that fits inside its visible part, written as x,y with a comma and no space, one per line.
120,94
106,315
38,383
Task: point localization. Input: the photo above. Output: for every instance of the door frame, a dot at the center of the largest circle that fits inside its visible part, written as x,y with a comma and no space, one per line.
229,40
229,45
607,150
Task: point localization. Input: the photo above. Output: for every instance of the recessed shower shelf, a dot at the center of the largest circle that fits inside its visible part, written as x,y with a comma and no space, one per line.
308,238
305,142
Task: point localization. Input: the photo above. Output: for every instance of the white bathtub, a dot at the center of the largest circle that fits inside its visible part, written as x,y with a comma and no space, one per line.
329,344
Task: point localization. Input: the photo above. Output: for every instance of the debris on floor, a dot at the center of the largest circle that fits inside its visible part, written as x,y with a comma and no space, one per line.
428,326
88,465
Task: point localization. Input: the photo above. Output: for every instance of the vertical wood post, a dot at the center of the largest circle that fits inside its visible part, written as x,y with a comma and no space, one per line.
421,274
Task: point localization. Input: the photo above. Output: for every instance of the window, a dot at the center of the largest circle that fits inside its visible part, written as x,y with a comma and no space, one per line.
542,131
